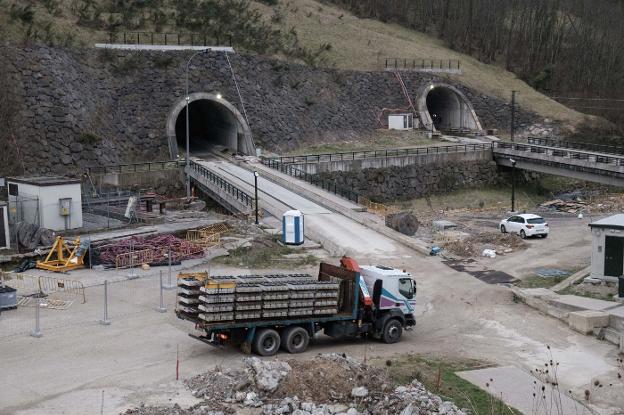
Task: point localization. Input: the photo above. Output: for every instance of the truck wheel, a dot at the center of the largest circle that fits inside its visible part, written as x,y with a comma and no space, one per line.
392,331
266,342
295,339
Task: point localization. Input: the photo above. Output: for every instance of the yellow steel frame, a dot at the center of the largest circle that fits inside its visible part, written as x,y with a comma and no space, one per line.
61,258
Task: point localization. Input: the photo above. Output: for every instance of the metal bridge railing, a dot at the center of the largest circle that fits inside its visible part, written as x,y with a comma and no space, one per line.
599,148
314,179
358,155
562,152
230,189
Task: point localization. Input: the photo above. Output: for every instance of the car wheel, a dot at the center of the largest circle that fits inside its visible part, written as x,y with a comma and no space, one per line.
503,229
295,339
267,342
523,234
545,235
392,331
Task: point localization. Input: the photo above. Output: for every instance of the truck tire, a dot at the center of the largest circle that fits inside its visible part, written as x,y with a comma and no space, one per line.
266,342
295,339
392,331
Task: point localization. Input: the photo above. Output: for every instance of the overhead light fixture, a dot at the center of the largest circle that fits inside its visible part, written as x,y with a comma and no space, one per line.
219,96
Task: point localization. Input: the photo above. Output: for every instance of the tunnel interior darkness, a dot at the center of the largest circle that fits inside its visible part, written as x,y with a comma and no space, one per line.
210,123
448,110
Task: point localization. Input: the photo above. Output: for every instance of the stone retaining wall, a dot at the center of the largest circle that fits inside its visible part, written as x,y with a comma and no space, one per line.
63,110
390,184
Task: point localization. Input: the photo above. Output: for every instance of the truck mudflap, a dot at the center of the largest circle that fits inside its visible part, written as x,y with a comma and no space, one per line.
208,340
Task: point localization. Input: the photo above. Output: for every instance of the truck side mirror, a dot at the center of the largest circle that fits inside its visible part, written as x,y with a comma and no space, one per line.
377,292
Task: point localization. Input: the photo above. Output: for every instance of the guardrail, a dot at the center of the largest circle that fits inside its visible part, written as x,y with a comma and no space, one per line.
232,190
423,64
137,167
154,38
327,185
562,152
599,148
358,155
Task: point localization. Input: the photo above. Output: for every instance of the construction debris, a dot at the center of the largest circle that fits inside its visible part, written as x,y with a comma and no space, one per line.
153,250
565,206
325,385
475,245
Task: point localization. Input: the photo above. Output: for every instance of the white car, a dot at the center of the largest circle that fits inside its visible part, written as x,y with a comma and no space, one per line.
525,225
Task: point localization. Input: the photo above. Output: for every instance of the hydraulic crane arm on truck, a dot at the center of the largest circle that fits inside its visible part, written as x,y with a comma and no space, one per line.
264,313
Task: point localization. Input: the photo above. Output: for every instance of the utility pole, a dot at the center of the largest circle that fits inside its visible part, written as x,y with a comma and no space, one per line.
256,194
513,185
513,114
188,99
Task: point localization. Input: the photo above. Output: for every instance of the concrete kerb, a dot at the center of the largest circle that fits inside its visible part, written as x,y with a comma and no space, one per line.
572,279
319,198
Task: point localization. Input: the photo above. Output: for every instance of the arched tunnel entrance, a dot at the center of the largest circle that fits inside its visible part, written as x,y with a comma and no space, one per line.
212,122
444,107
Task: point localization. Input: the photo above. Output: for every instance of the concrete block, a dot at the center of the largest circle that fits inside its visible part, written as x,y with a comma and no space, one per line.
586,321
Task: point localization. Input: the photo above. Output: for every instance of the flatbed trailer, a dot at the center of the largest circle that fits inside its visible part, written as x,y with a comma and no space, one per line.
352,317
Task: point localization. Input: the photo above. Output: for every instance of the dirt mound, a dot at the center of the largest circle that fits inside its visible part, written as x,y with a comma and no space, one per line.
330,378
474,245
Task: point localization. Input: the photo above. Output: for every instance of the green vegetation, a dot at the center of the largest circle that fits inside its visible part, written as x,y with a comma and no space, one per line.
266,253
598,293
535,281
439,376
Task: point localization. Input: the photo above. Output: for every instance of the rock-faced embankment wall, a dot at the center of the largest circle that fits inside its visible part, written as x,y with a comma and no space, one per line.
63,110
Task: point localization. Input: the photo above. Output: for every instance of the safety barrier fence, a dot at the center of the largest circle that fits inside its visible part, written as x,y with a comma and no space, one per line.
127,300
384,153
598,148
136,167
28,285
171,38
599,159
200,171
377,208
423,64
208,236
327,185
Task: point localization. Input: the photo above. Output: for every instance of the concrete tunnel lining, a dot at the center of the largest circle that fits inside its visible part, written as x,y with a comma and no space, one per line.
212,121
442,107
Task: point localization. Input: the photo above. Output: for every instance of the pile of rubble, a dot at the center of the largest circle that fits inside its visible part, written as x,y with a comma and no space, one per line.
474,245
325,385
575,206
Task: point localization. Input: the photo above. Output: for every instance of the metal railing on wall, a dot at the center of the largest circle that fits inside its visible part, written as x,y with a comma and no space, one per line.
423,64
553,142
229,188
400,152
136,167
214,38
562,152
314,179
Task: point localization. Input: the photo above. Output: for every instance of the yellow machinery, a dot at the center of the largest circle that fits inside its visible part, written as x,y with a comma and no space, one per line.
61,258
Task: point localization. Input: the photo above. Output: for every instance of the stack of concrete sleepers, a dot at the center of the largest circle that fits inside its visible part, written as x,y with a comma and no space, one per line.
189,286
260,297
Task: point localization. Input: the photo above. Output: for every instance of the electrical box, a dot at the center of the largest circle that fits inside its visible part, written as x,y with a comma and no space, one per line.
65,205
401,121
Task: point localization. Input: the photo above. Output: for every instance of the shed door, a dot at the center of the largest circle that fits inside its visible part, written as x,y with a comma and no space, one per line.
3,241
614,256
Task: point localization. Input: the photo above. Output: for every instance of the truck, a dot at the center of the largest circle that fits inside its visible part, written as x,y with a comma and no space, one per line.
263,313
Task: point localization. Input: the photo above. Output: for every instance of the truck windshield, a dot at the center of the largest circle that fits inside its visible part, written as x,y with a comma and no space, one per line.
406,288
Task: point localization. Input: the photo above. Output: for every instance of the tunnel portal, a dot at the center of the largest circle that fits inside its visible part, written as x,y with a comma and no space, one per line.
212,122
443,107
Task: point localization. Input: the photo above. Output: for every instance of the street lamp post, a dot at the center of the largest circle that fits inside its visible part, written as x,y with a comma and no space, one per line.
513,115
513,185
188,98
256,194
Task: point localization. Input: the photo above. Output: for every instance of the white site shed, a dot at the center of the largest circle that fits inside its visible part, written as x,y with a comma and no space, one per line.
401,121
607,260
52,202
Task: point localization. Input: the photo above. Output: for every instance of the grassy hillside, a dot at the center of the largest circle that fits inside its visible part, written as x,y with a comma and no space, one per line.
305,30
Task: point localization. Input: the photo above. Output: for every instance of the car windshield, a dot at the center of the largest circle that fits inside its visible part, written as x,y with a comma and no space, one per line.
535,221
406,288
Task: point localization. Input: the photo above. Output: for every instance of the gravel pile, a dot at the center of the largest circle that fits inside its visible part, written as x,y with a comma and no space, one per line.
330,384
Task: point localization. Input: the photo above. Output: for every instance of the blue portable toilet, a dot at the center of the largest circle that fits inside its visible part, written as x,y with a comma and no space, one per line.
292,228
